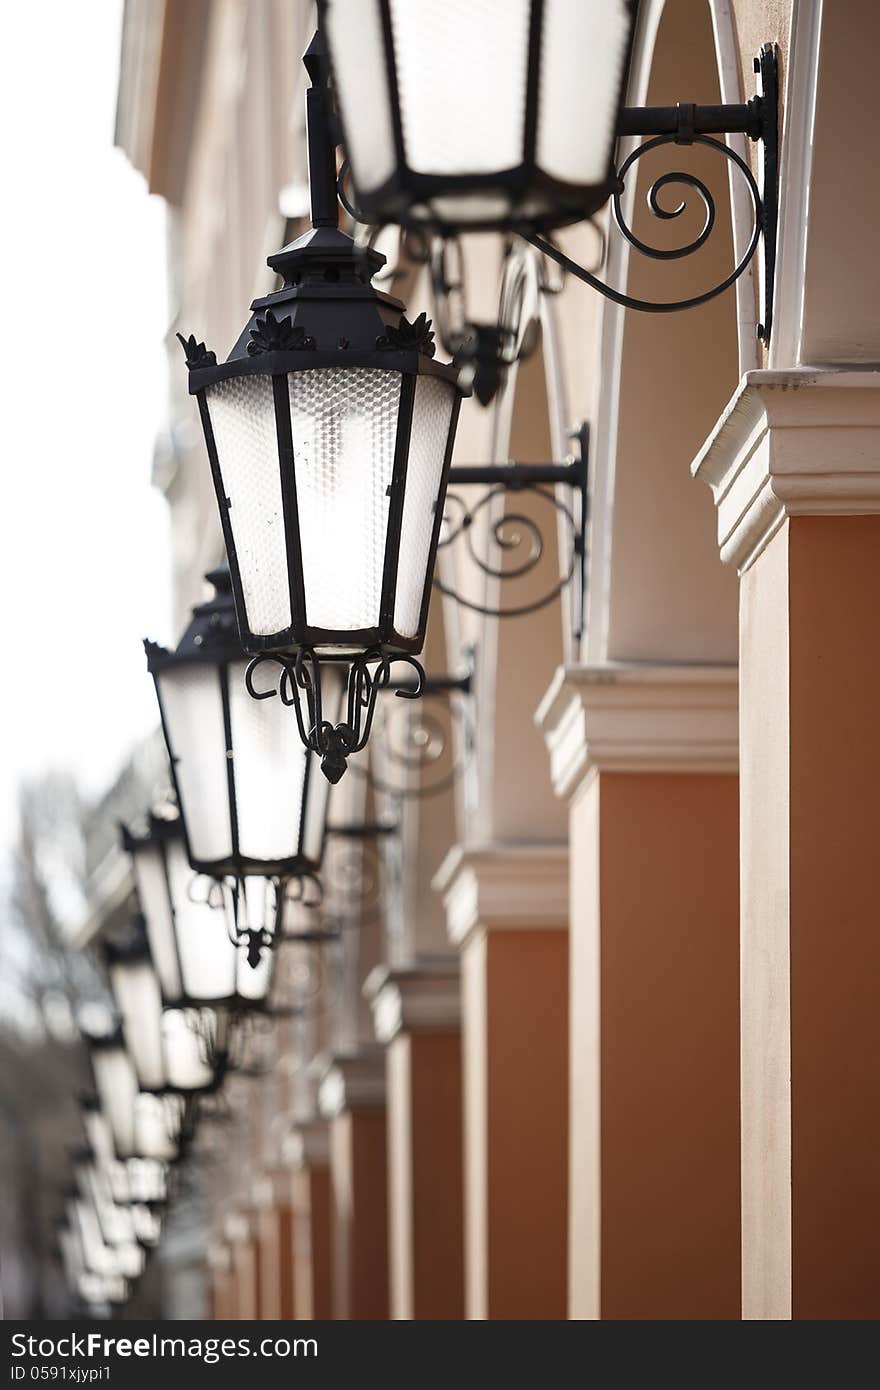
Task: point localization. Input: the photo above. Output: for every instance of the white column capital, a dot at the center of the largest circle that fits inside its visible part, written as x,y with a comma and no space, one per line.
237,1228
423,998
630,717
801,442
307,1145
352,1081
218,1257
507,886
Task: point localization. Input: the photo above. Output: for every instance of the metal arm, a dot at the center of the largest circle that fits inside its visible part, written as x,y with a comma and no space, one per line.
689,124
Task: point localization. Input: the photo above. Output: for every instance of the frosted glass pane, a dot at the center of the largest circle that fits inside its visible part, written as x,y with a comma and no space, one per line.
461,77
139,1002
576,117
146,1180
118,1175
117,1089
193,710
152,1137
243,419
427,450
152,891
98,1256
344,424
354,37
147,1225
185,1052
269,772
207,956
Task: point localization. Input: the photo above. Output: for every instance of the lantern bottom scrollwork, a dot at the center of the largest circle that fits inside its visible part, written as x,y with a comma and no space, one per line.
300,686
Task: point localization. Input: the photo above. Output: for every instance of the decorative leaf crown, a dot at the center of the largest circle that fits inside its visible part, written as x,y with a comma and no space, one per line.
197,355
277,335
408,335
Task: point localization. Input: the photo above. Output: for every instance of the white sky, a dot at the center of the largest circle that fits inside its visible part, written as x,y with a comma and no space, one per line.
84,567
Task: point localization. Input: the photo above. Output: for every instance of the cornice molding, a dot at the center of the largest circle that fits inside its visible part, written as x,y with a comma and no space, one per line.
803,442
623,717
352,1081
423,998
517,886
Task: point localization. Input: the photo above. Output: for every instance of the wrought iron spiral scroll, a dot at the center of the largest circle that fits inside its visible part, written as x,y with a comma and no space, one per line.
525,531
424,744
674,178
355,877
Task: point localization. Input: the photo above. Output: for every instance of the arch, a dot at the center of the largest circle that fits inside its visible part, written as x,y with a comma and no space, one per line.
657,590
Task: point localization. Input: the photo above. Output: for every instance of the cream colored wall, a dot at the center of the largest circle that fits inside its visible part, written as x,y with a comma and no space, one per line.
247,143
842,270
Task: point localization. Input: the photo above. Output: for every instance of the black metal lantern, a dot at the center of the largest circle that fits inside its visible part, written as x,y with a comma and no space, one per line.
329,430
169,1047
142,1124
210,945
135,1180
250,801
499,114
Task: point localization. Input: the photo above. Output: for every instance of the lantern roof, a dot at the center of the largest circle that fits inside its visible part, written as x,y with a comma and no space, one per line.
327,313
212,633
129,945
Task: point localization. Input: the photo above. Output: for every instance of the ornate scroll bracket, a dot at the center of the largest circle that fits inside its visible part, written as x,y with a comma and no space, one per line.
688,124
518,535
413,744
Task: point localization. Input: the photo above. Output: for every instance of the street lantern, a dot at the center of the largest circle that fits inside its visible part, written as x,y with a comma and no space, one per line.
167,1046
250,801
139,1001
91,1289
124,1260
142,1125
136,1179
211,948
499,115
329,430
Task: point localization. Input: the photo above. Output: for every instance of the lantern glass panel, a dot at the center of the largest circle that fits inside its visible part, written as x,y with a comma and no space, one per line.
98,1257
461,76
207,956
270,770
187,1050
147,1225
192,706
242,415
146,1180
347,426
575,135
139,1001
148,862
432,416
359,53
344,429
116,1083
154,1127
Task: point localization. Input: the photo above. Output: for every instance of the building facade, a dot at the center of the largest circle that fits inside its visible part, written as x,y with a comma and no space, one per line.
600,1036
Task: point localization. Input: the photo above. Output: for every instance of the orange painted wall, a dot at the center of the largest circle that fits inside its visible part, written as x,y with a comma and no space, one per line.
835,915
